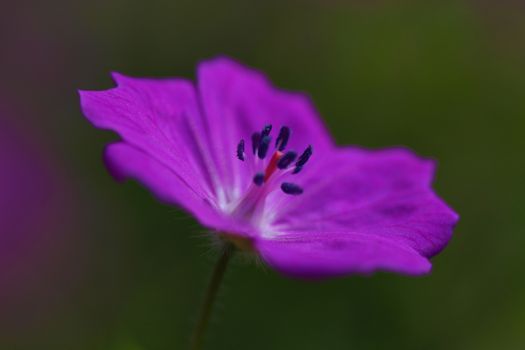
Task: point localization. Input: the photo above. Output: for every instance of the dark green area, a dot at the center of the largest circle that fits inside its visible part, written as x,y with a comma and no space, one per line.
446,79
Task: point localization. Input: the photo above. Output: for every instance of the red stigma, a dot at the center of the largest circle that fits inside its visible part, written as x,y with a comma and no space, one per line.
272,166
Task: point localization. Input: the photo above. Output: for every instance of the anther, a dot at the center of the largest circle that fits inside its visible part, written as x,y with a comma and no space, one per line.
297,169
256,140
290,188
286,159
258,179
263,147
304,157
240,150
282,139
266,130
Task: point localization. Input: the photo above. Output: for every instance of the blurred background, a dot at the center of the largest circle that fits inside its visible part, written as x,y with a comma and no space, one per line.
86,263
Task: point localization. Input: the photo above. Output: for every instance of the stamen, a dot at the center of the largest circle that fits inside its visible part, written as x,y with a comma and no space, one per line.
304,157
240,150
286,160
282,139
297,169
256,140
258,179
269,173
266,130
290,188
263,147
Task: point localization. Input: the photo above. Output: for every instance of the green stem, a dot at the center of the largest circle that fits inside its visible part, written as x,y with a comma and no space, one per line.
211,293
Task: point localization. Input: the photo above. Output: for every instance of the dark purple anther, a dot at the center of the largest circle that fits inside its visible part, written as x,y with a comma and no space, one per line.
266,130
258,179
304,157
240,150
282,139
290,188
286,159
297,169
256,140
263,146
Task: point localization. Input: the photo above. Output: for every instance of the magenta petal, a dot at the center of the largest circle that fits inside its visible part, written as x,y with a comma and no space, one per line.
322,255
239,101
125,161
378,193
161,118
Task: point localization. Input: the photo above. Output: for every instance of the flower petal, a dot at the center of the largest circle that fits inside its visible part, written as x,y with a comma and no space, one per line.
378,193
238,101
322,255
125,161
159,117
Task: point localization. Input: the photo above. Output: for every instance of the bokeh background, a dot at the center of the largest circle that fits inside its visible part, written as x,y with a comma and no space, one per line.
86,263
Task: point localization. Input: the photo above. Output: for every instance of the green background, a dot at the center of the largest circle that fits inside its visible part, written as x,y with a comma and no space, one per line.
446,79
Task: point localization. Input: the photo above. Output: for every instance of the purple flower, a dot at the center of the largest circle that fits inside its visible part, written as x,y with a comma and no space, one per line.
257,166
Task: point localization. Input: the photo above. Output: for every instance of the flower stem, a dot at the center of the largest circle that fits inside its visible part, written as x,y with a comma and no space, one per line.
211,293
